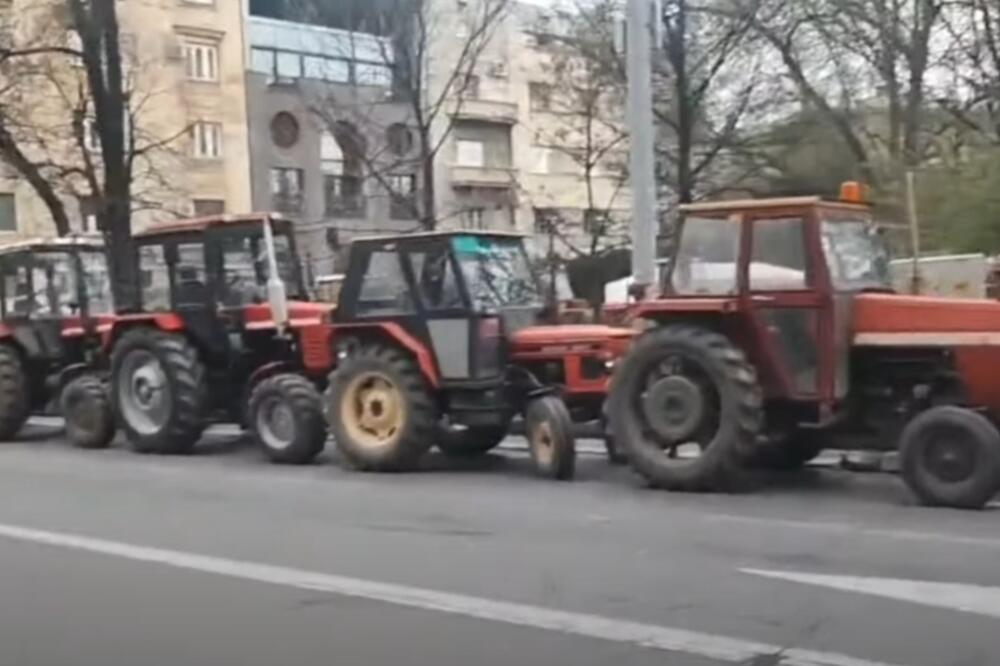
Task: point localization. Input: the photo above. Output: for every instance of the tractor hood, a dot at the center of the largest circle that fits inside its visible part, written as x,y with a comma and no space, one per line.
300,313
576,337
925,320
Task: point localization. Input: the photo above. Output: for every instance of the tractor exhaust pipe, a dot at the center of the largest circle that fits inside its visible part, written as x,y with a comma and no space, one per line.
277,296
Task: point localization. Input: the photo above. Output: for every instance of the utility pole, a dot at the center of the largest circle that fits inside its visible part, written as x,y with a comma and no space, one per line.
639,23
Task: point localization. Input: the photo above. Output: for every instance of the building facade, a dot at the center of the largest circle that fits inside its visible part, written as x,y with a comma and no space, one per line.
258,108
183,60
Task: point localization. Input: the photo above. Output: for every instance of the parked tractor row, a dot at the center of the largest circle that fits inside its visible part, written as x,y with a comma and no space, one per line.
776,334
434,340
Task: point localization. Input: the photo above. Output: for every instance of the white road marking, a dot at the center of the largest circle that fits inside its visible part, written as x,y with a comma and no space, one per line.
858,530
652,636
978,599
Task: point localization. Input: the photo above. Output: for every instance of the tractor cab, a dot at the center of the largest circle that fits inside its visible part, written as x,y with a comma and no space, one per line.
222,275
53,293
788,269
55,299
458,294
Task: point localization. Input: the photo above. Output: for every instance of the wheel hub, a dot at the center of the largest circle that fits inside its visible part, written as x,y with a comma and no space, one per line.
276,424
950,459
375,409
674,407
144,395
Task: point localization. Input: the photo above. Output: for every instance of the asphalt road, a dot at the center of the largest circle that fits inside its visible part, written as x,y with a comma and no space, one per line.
114,558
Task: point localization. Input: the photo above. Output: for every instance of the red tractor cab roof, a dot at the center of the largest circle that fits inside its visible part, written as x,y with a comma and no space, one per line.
90,242
201,224
725,208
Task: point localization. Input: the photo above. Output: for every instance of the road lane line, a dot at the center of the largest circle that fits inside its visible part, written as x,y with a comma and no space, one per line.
658,637
978,599
857,529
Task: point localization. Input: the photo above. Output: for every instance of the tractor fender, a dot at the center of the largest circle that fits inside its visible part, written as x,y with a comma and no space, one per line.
396,334
111,330
68,374
268,370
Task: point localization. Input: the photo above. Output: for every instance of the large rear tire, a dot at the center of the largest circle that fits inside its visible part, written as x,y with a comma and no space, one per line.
15,406
286,417
471,442
950,456
549,429
687,406
380,410
159,391
86,408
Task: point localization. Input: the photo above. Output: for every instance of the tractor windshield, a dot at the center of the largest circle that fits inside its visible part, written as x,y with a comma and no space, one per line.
856,255
705,263
496,272
97,282
245,268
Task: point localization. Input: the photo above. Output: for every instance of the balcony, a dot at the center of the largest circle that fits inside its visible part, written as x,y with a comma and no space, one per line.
488,177
486,110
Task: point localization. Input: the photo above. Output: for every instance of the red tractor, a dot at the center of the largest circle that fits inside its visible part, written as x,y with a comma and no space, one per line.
444,327
55,297
778,335
215,336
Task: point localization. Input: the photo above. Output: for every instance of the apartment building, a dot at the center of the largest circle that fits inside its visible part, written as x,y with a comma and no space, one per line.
184,63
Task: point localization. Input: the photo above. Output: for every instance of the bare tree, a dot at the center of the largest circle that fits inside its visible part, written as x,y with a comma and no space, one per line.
71,122
577,109
432,53
972,28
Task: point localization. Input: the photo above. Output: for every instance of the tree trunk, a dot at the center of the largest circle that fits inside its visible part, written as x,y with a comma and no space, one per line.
428,213
677,52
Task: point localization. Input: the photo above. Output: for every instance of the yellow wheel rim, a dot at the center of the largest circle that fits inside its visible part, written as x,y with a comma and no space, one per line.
373,410
543,442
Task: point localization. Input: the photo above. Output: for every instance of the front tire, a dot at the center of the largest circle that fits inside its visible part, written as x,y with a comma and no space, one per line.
380,410
285,414
687,406
15,406
159,391
86,407
549,429
950,456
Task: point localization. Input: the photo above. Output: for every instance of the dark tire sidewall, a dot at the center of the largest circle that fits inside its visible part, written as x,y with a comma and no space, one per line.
181,431
305,404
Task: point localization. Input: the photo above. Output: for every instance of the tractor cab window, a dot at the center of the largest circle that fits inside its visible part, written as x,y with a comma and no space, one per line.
856,255
97,282
497,273
778,261
383,290
155,278
246,269
706,257
190,282
436,279
54,284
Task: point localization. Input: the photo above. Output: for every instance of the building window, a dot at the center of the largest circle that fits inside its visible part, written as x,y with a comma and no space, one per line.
285,130
369,74
207,207
287,186
547,220
399,138
262,61
596,222
89,207
540,96
326,69
474,218
289,67
206,140
469,153
342,163
8,212
201,61
403,196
